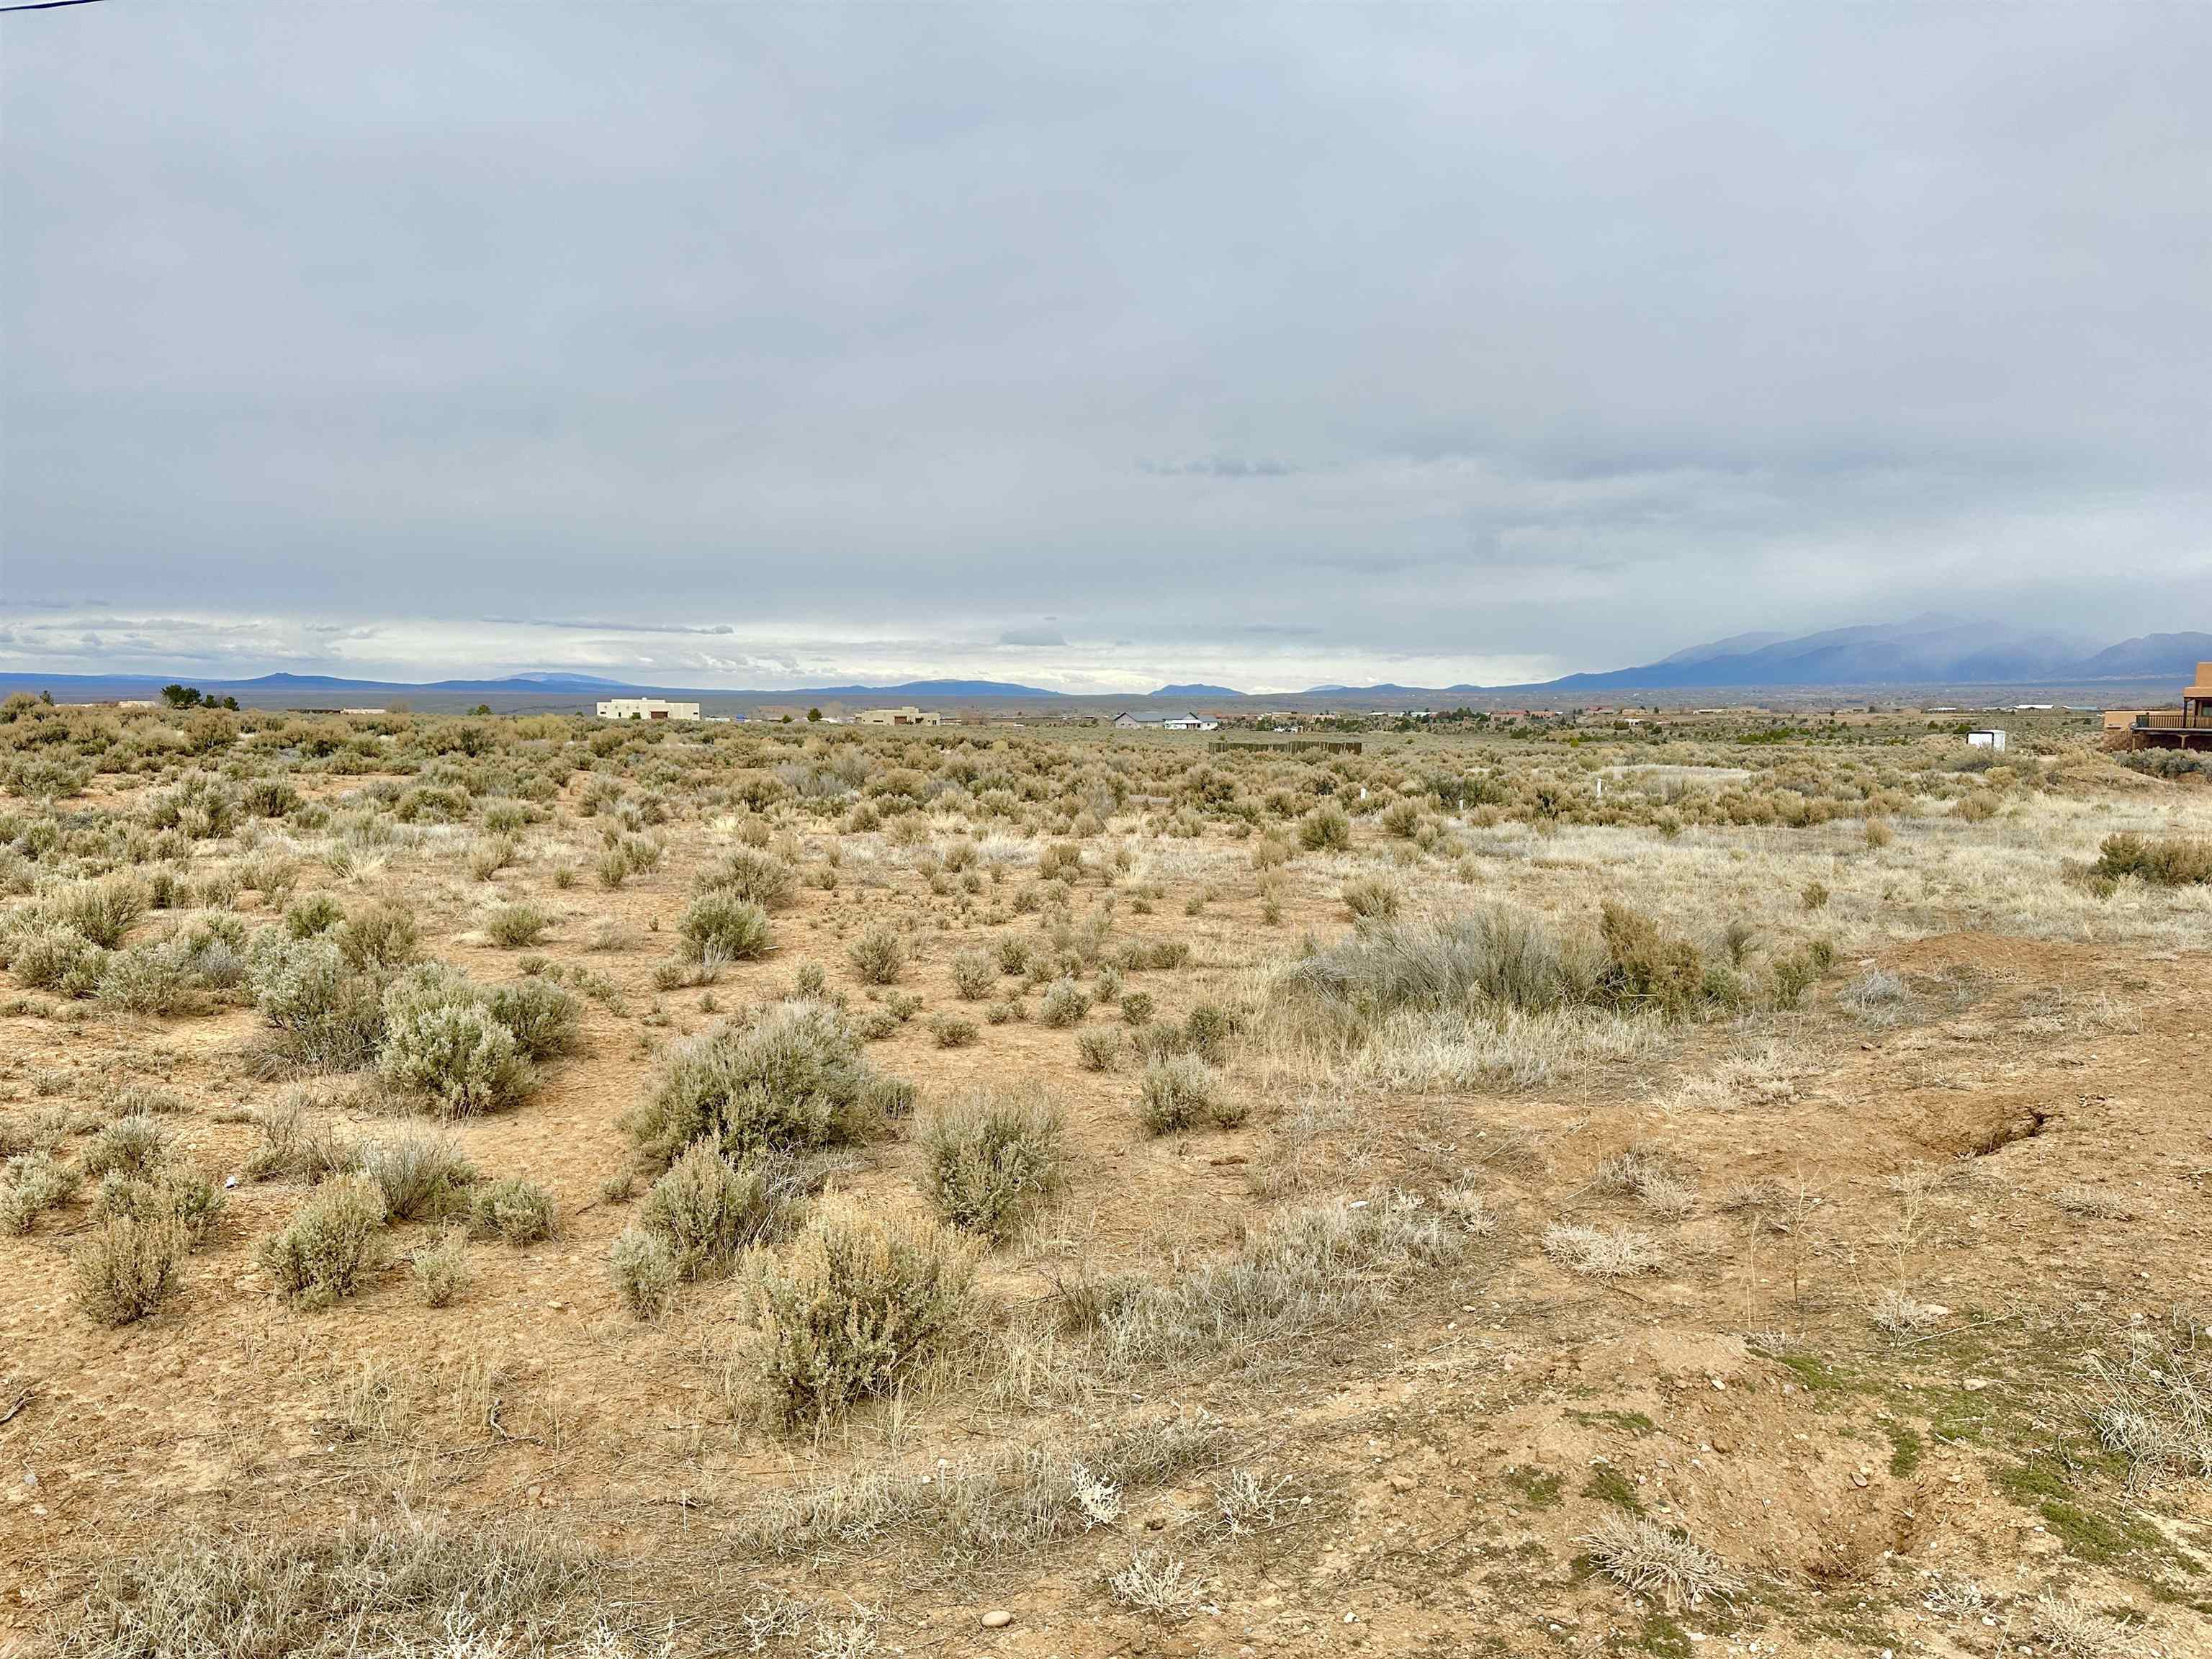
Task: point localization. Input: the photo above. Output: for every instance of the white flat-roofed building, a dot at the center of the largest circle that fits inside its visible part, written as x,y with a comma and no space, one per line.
647,708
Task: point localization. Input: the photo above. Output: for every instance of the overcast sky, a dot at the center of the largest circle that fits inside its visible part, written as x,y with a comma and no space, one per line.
1087,346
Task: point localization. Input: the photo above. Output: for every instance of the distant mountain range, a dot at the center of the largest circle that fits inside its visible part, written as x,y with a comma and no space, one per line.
1930,651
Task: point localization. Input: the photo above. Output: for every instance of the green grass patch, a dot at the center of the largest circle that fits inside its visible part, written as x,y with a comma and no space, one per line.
1635,1422
1540,1487
1609,1486
1904,1447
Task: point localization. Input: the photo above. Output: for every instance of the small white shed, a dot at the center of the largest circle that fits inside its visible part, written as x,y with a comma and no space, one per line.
1991,738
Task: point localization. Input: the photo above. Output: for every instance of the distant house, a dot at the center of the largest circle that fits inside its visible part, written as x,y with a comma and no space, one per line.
647,708
1186,722
907,714
2189,726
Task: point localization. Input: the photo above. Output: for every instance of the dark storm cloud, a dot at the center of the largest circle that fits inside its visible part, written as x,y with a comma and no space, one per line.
1411,334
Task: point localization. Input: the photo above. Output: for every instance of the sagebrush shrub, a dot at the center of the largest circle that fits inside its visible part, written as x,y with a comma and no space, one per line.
442,1268
1181,1092
133,1145
35,1181
642,1265
790,1079
722,924
862,1302
103,910
709,1210
455,1054
322,1015
1063,1004
1099,1048
327,1251
379,939
878,955
125,1267
178,1196
56,957
318,913
515,926
1327,828
512,1210
974,974
547,1020
2169,861
757,877
1371,898
988,1157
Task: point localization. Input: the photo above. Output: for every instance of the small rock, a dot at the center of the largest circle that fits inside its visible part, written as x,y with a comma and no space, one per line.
997,1618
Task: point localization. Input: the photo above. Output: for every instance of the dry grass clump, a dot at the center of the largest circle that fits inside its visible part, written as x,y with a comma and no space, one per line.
124,1268
297,1144
1648,1177
788,1079
1497,958
1305,1270
991,1157
2079,1199
2154,1406
403,1589
1006,1504
327,1251
1622,1253
1157,1584
2073,1632
861,1302
1646,1559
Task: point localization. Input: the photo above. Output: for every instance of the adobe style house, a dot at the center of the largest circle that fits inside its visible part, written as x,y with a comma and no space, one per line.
905,714
2189,726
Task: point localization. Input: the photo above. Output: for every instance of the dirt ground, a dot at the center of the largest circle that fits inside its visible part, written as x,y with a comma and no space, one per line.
1434,1469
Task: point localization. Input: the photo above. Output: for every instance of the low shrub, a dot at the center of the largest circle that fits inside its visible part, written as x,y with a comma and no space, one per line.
322,1015
512,1209
454,1053
34,1182
974,974
1372,898
517,926
642,1266
863,1302
709,1210
546,1018
1181,1092
442,1268
953,1030
1099,1048
327,1251
988,1157
722,925
52,957
314,914
1327,828
790,1079
878,955
754,876
125,1268
103,910
1063,1004
1137,1007
174,1196
379,939
2170,861
133,1145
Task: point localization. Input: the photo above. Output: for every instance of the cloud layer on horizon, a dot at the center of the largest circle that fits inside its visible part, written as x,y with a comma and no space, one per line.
1091,346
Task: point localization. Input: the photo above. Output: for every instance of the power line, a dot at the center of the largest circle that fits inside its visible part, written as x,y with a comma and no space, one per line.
49,5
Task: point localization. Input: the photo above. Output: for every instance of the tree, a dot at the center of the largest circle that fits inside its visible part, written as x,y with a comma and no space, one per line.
181,697
813,714
481,708
231,704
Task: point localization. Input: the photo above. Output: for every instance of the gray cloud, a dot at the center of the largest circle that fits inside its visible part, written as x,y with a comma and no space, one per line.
1033,636
1456,336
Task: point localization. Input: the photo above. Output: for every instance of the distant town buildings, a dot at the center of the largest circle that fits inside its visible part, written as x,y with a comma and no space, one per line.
647,708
